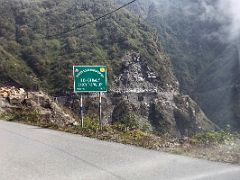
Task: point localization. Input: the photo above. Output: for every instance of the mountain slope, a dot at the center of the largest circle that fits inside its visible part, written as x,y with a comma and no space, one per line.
105,42
115,41
205,62
14,70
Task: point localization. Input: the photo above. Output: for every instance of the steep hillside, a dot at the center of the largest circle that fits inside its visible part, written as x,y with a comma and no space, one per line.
105,42
218,89
205,61
143,88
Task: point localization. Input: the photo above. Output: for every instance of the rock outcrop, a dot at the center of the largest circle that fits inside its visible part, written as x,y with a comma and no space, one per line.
137,94
12,98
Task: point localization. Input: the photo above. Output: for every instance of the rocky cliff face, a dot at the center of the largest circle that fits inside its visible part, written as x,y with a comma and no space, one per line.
137,97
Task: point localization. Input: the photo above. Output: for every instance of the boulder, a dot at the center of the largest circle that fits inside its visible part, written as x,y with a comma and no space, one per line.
4,94
181,116
30,103
16,100
4,103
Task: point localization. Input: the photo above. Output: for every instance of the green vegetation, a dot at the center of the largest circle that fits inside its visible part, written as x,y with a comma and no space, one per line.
27,115
215,137
123,115
48,61
117,132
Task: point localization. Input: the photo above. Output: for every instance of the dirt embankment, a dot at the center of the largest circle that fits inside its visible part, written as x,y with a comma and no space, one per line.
20,104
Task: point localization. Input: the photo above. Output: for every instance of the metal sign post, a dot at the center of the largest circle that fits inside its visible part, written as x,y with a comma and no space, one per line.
81,110
100,111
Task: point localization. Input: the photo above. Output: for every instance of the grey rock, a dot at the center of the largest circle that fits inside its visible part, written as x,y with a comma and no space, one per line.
136,94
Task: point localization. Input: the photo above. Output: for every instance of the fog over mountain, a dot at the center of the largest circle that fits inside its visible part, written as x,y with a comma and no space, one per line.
202,38
226,12
231,9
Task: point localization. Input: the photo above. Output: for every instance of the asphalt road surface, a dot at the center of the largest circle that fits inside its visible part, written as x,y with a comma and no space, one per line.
32,153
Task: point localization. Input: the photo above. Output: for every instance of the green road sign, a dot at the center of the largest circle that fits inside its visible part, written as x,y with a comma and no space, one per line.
90,79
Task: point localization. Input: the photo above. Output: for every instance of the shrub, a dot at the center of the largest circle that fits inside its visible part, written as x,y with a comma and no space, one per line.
23,115
214,137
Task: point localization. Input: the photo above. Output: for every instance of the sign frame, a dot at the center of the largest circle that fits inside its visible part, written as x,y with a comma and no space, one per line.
93,66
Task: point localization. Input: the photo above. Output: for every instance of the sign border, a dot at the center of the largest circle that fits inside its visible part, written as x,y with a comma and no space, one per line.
106,81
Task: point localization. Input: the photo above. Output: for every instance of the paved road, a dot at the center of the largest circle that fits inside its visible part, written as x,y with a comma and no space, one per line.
31,153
